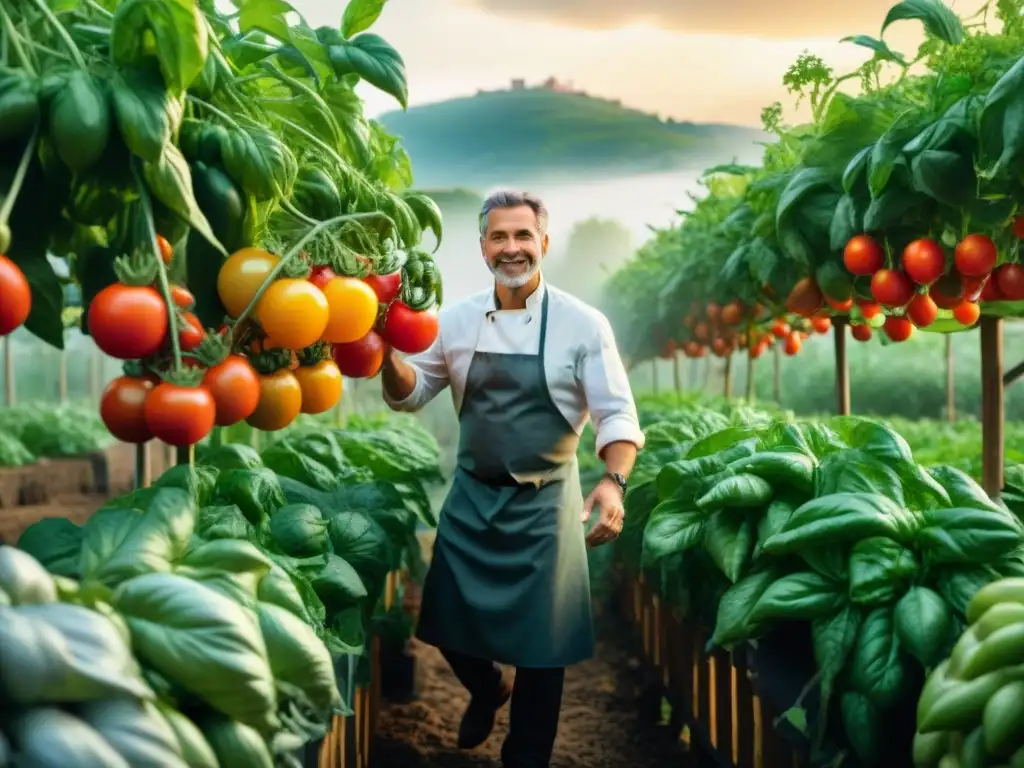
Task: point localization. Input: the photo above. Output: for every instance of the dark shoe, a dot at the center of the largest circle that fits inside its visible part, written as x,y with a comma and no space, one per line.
478,722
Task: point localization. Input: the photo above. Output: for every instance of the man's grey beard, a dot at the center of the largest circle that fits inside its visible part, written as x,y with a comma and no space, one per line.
515,281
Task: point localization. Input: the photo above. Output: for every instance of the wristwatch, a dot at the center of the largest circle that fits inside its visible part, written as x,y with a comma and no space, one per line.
618,479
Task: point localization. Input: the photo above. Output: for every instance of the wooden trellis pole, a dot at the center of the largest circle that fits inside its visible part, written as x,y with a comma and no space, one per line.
993,448
842,367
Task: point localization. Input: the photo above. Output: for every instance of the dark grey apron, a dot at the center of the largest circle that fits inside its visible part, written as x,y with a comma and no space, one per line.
509,580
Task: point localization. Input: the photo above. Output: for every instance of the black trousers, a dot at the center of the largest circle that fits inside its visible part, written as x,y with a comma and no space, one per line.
536,701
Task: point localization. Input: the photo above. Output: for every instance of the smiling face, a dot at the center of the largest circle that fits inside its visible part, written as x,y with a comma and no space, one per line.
513,245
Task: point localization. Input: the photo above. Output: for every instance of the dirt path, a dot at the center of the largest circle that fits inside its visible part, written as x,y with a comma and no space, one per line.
599,727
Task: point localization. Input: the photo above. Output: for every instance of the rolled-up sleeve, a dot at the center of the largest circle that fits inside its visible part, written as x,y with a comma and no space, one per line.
431,378
606,387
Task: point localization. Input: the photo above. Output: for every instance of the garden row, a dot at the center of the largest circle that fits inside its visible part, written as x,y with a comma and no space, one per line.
821,556
201,192
224,615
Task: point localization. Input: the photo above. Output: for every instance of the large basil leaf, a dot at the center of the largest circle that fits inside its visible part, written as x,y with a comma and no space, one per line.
876,667
879,570
925,626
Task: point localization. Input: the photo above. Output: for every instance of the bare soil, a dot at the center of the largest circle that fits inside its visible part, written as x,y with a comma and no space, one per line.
600,725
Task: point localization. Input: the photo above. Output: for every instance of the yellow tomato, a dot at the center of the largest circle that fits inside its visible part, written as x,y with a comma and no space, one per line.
241,277
293,313
353,310
321,386
280,401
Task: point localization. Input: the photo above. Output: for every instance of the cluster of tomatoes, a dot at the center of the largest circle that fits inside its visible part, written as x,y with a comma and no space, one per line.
301,335
735,326
925,281
15,296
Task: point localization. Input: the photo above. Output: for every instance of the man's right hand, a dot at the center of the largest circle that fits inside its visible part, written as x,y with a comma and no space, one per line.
397,377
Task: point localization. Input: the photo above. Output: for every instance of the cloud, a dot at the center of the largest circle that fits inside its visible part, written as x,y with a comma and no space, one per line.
759,18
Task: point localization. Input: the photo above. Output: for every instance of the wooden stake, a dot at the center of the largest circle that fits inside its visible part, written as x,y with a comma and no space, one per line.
677,374
992,456
842,367
727,378
751,382
776,374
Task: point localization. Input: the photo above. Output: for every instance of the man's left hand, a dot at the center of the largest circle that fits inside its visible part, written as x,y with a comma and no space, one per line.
607,497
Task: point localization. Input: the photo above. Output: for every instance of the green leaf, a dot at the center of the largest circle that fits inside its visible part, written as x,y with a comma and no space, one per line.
1001,123
862,723
743,490
959,585
731,624
235,743
924,624
338,585
170,181
147,114
729,540
846,222
266,16
298,657
834,638
946,177
374,60
961,535
881,49
118,544
45,316
299,530
938,19
176,30
257,492
854,471
962,489
799,596
836,519
202,641
56,543
670,531
360,15
879,569
779,467
830,562
876,668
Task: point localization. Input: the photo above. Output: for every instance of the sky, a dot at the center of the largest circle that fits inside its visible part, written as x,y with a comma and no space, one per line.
699,60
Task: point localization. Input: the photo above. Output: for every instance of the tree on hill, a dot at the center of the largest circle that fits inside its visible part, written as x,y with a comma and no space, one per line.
596,248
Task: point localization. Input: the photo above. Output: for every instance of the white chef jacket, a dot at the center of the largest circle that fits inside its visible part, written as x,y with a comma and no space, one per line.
585,374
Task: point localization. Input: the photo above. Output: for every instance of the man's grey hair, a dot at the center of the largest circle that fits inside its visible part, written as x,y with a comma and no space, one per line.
510,198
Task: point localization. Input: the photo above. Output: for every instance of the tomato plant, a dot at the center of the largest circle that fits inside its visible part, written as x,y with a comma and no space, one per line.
352,310
123,408
967,313
292,312
891,288
180,415
898,328
922,311
1009,281
409,331
321,386
235,388
15,296
128,322
280,401
861,332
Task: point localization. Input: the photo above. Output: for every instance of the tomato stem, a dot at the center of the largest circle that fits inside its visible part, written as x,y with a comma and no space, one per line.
19,177
73,49
315,140
14,37
222,115
161,275
295,250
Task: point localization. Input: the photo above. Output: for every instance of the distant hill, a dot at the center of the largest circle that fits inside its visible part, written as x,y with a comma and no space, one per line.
538,133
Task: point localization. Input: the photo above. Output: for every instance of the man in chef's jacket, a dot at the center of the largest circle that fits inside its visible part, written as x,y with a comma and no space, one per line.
508,584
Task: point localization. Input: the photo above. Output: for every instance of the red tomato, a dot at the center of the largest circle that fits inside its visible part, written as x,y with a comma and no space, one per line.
182,297
863,256
385,286
976,255
781,329
15,296
713,311
1009,280
190,335
922,310
898,328
806,297
924,261
840,306
732,313
991,290
360,359
891,288
948,291
967,313
180,416
321,275
868,308
721,347
409,331
235,388
701,331
973,287
793,344
128,322
861,332
1018,227
123,409
821,324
